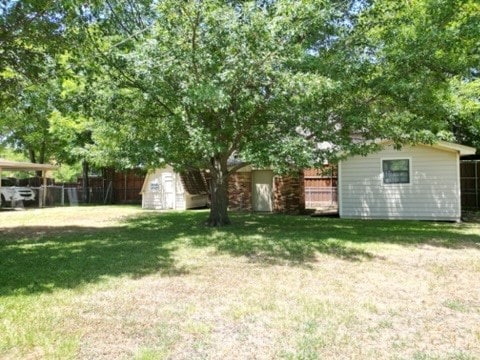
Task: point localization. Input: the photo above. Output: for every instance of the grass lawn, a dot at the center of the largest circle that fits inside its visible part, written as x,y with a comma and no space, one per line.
121,283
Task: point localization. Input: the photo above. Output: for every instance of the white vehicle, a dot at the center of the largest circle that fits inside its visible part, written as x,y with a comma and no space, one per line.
9,193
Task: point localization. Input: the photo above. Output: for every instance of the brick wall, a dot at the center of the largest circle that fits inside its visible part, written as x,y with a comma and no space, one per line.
240,191
288,192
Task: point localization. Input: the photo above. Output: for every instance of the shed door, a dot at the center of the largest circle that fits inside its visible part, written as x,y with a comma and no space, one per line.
262,181
168,190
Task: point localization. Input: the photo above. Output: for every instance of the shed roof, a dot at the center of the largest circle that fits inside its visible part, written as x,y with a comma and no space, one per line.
462,149
25,166
194,182
443,145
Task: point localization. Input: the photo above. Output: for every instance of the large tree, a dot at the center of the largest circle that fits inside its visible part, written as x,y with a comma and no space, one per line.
196,83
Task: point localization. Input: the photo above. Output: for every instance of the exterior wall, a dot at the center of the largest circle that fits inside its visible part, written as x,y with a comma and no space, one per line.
240,191
195,201
154,192
432,194
288,192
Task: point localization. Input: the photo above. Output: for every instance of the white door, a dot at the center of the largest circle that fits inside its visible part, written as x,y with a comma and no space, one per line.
262,182
168,190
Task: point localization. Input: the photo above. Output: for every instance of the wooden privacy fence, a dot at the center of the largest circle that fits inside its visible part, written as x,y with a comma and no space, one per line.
321,187
470,184
320,196
113,187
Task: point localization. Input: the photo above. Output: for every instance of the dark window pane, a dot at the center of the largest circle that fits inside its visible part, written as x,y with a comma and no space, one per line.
396,171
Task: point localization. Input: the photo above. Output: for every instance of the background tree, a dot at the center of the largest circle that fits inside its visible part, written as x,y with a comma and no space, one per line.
410,69
25,123
32,33
35,81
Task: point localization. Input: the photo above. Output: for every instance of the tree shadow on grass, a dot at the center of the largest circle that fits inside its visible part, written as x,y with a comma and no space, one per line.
43,259
298,240
281,248
49,259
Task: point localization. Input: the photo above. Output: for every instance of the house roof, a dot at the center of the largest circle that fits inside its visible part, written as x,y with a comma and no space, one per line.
25,166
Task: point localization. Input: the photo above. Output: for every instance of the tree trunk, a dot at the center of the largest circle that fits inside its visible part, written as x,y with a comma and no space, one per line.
33,159
31,155
41,157
85,182
219,192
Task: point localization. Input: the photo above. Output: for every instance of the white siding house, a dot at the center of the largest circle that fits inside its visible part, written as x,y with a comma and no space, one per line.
165,189
417,182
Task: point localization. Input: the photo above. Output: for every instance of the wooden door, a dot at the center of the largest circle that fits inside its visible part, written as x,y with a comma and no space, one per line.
262,182
168,190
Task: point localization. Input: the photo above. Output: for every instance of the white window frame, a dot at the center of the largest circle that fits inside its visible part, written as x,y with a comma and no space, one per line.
410,173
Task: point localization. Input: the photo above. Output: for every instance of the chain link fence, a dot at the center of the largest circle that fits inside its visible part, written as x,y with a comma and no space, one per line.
72,196
55,195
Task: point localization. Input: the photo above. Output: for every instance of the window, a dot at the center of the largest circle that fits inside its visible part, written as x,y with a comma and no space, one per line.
396,171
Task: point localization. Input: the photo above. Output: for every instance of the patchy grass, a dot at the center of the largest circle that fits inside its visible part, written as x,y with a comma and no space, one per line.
118,282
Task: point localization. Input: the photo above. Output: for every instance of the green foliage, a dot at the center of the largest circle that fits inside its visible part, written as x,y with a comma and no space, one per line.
413,68
192,84
208,79
31,32
25,125
68,173
268,81
9,154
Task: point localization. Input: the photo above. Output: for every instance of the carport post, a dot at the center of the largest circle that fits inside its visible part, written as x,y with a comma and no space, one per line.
44,175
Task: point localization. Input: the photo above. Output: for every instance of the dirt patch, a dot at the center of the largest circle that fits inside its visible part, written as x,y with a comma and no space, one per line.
410,303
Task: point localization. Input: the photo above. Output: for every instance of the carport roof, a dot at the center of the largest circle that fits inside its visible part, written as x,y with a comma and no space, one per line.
24,166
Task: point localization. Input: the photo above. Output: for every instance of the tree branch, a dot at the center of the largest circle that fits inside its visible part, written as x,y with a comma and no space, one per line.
129,80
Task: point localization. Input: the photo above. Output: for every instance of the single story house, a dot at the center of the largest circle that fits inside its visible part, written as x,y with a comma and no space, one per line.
420,182
166,189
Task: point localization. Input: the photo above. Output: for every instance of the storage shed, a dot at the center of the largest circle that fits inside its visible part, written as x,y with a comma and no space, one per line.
166,189
416,182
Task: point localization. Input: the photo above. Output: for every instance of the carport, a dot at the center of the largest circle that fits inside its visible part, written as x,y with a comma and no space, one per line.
26,166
